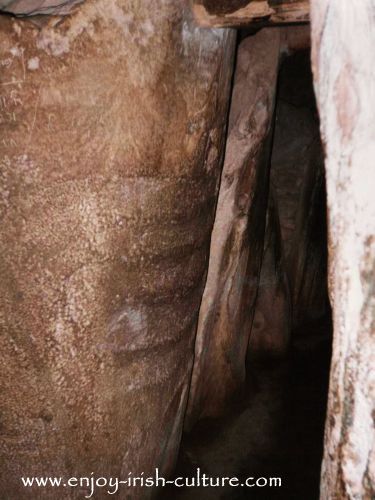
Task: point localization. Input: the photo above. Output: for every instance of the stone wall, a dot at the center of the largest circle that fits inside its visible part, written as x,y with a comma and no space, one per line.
113,123
343,35
237,240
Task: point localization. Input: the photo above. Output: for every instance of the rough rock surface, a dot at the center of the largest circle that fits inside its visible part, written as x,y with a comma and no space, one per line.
271,328
112,133
242,13
343,35
35,7
237,239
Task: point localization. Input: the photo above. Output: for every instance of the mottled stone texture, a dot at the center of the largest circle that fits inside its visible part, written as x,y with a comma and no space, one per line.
237,239
271,328
112,133
343,35
34,7
243,13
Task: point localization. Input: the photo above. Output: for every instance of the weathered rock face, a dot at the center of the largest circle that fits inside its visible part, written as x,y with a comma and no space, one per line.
112,134
237,13
344,72
237,239
297,176
271,328
35,7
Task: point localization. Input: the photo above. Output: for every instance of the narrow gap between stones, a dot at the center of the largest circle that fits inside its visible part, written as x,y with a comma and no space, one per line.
274,427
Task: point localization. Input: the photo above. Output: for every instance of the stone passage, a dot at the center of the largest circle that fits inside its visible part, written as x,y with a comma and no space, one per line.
268,258
163,236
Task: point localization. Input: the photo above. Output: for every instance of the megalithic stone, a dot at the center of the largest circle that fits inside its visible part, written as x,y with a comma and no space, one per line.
35,7
237,239
113,126
343,41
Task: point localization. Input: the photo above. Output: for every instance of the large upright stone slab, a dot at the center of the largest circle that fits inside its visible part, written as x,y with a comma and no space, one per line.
112,136
237,240
343,35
